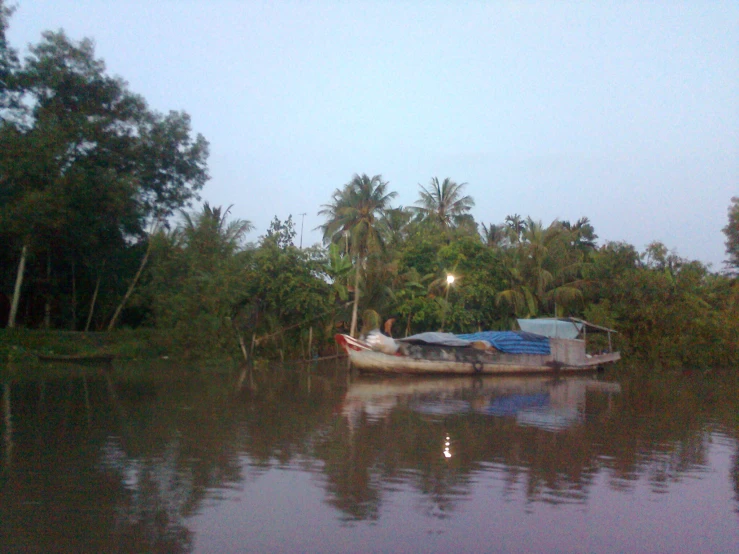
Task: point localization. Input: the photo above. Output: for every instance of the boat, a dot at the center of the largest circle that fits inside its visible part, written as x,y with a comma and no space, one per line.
545,345
99,358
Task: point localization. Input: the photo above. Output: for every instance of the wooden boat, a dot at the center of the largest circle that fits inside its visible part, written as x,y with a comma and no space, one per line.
559,345
76,358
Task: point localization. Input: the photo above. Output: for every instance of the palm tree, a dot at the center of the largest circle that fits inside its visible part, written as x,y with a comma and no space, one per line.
516,227
210,234
494,236
394,226
583,235
357,208
443,203
540,269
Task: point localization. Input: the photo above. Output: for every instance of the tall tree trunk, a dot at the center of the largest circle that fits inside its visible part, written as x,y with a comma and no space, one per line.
94,299
120,307
17,290
74,298
355,308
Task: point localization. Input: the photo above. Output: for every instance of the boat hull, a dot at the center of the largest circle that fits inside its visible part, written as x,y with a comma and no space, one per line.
367,360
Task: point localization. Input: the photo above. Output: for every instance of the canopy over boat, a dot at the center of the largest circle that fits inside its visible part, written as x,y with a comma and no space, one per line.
561,327
552,328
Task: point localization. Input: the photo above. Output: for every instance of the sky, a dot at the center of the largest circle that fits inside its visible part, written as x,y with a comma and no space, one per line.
623,112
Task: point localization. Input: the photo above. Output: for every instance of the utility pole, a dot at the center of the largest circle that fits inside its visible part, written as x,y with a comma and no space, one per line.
302,219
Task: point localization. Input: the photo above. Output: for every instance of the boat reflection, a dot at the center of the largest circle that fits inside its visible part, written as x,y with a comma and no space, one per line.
542,402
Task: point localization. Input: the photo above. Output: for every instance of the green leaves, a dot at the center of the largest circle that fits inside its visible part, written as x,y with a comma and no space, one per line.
443,203
85,166
732,234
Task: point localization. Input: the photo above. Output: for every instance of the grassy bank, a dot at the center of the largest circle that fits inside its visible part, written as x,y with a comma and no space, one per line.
22,345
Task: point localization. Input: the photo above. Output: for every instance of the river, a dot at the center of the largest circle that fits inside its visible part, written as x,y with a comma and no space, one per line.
161,458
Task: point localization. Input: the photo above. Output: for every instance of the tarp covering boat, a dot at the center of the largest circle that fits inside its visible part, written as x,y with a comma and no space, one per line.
434,338
512,342
509,342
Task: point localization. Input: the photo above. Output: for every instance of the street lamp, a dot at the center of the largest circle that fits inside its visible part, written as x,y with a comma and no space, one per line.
449,281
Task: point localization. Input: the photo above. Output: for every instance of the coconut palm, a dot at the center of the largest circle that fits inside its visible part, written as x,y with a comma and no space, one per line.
583,235
494,236
444,204
541,270
209,232
353,215
394,226
516,227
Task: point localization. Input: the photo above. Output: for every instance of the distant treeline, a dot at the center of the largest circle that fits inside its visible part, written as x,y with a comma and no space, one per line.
97,232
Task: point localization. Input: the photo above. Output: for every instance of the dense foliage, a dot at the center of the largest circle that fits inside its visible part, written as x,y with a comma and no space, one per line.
94,191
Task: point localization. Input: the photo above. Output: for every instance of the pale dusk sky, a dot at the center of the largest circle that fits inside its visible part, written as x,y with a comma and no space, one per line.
624,112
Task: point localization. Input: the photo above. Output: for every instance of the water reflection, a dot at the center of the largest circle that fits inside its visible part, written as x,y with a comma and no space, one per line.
8,424
130,460
543,402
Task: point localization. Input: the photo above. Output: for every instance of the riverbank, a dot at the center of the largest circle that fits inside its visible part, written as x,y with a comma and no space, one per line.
24,345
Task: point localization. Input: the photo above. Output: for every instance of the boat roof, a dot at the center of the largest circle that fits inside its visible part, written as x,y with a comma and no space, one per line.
560,327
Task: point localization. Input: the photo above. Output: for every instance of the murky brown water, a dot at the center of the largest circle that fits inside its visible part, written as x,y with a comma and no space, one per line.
292,460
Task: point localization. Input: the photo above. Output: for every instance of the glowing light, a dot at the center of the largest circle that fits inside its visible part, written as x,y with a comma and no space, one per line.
447,453
449,279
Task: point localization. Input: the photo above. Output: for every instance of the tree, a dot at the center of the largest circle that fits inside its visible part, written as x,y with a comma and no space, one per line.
444,204
357,208
282,234
8,63
199,277
516,226
210,233
91,167
542,267
583,235
732,234
494,236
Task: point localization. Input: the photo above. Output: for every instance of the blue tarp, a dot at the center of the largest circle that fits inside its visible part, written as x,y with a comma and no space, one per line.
512,342
512,404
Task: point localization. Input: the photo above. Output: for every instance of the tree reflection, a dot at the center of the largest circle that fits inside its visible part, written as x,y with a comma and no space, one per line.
112,462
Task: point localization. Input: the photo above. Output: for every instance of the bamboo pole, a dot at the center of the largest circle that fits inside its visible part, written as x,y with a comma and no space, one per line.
17,289
129,292
355,307
92,302
120,307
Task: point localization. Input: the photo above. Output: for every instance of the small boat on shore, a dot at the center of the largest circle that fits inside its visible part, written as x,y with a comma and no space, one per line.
542,346
77,358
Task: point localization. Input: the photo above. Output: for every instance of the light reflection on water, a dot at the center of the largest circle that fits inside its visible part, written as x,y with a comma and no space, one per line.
302,459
